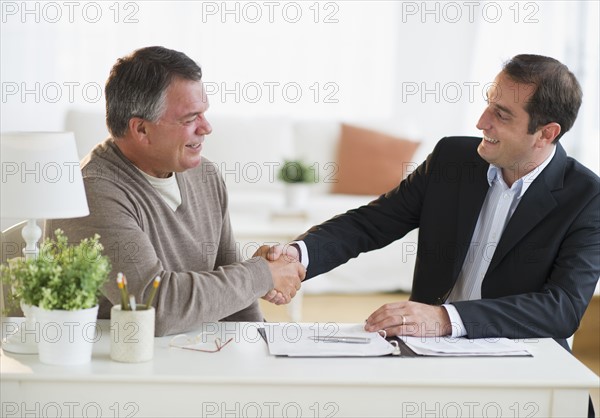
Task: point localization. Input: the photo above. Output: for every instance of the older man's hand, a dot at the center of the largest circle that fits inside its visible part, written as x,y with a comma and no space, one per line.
286,271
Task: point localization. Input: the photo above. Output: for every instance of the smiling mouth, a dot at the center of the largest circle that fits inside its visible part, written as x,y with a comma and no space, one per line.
194,146
490,140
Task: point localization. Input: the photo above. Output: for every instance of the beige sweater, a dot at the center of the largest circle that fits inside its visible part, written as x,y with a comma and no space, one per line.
192,249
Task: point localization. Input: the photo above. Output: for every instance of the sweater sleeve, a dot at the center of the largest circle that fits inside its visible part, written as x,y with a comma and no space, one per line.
185,298
229,252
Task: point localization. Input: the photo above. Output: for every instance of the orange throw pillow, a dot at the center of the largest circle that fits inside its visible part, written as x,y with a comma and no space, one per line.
370,162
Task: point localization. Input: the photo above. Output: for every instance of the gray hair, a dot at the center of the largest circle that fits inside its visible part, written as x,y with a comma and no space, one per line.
138,83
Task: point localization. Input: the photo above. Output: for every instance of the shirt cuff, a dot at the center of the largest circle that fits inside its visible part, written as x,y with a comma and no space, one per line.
303,253
458,327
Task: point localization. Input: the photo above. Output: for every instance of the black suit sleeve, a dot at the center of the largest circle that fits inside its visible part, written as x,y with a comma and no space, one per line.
369,227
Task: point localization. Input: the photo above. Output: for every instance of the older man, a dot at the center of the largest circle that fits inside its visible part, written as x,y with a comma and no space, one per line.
161,208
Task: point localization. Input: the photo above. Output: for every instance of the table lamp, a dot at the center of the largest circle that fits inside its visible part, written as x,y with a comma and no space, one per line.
41,179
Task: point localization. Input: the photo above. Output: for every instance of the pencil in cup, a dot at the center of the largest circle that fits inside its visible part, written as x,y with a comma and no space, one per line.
153,292
121,285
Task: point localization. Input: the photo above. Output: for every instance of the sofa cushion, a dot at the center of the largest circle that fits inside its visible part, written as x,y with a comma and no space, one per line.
316,143
89,128
371,162
249,150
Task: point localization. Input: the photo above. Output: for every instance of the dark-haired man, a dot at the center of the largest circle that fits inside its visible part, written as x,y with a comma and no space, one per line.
509,226
159,206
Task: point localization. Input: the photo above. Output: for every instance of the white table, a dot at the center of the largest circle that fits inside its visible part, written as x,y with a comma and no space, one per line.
244,380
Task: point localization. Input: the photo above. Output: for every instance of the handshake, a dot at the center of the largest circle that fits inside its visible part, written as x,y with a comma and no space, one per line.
286,271
397,318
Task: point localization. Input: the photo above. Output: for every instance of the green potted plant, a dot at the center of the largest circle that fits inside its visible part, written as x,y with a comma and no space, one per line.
296,171
297,177
62,285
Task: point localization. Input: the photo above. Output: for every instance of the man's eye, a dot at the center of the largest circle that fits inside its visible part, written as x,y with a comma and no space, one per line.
500,116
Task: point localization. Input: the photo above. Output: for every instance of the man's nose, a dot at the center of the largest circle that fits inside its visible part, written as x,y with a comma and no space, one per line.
484,121
204,127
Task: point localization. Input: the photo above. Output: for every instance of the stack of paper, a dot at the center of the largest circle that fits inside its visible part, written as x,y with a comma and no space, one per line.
324,340
447,346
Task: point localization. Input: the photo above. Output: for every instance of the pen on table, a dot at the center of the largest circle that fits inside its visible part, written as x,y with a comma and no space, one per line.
153,293
342,339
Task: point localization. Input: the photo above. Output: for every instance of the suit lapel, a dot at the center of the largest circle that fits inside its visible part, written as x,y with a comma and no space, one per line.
537,203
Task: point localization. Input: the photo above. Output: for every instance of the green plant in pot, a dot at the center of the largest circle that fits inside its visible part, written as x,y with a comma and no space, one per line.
296,171
297,177
62,286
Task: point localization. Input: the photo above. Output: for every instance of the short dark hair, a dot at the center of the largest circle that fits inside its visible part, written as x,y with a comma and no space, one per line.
138,82
557,95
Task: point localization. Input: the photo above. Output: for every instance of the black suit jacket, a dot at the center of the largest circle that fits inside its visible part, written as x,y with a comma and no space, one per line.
545,266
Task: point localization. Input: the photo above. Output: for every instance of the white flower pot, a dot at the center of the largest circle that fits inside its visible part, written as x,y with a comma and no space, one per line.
296,195
66,337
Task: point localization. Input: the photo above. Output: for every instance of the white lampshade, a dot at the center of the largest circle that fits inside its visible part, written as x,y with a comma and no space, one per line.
41,177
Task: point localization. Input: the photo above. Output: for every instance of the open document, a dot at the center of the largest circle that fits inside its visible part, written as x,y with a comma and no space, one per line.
324,340
351,340
447,346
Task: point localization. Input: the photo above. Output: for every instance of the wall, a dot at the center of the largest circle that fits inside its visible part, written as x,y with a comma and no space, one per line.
413,68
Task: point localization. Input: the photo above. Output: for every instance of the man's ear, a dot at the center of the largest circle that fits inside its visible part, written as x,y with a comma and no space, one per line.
549,132
138,129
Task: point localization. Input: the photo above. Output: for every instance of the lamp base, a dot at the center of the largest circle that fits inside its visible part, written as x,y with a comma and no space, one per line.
23,338
20,343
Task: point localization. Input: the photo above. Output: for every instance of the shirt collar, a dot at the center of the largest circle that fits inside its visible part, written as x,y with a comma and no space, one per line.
521,185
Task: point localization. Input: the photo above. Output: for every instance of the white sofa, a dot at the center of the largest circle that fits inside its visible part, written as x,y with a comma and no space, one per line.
248,152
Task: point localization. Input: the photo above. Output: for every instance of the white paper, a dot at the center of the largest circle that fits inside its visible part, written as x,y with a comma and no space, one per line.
447,346
297,340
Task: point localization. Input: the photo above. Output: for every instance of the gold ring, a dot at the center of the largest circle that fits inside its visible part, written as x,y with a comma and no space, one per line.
403,319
